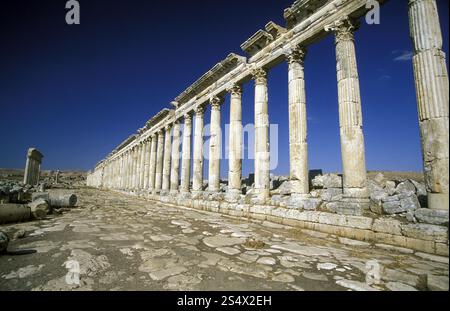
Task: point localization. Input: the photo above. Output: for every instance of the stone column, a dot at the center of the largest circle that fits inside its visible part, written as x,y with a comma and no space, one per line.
134,163
167,159
142,166
186,157
146,163
32,167
235,143
350,118
215,145
262,151
128,164
159,161
197,185
152,166
298,147
175,169
432,89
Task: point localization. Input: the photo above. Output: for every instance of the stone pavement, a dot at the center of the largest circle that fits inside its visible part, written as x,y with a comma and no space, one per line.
126,243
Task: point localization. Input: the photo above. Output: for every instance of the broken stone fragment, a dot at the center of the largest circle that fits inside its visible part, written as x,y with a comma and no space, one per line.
4,241
39,208
431,216
327,181
405,187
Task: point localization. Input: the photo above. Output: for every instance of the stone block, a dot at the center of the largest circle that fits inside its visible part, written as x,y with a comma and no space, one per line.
431,216
385,225
425,232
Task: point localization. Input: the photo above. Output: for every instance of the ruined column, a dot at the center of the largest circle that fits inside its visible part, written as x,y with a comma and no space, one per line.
235,143
167,159
350,117
215,145
186,157
32,167
159,161
152,166
197,185
146,163
298,147
262,151
175,169
134,166
128,164
432,89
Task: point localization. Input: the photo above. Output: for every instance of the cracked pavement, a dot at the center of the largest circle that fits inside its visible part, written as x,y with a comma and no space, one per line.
127,243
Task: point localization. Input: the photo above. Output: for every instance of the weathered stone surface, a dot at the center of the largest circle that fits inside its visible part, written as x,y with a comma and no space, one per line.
406,187
4,241
425,232
431,216
327,181
355,285
39,208
437,282
222,240
400,204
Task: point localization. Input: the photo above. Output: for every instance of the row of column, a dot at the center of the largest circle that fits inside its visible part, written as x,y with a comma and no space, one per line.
154,164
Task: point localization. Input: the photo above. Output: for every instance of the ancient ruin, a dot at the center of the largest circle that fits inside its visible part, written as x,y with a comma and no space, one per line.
33,167
148,163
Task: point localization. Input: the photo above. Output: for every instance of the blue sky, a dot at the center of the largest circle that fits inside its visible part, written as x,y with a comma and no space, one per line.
76,92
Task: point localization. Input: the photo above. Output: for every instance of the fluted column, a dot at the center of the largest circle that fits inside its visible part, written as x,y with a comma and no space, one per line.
432,89
298,147
135,167
186,157
167,158
215,145
350,111
175,168
129,169
197,185
262,150
152,167
235,141
146,163
159,162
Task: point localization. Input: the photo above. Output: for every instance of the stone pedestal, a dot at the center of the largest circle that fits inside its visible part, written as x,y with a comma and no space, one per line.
431,79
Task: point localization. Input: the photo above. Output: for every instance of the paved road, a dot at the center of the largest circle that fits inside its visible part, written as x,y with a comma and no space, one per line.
126,243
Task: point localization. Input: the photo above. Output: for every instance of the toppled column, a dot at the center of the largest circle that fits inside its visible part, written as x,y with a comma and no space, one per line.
33,167
431,79
10,213
262,150
215,145
56,199
186,156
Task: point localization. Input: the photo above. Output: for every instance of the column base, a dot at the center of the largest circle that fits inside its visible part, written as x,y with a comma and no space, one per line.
233,196
196,194
438,201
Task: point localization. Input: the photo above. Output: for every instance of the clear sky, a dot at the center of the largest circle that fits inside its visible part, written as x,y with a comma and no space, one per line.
76,92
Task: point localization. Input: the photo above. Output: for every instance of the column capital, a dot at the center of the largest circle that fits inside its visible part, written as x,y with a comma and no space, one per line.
343,29
296,55
216,102
235,89
199,110
188,118
167,127
259,75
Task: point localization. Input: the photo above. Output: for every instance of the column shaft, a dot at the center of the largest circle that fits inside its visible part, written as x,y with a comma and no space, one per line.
152,168
159,162
298,147
167,159
175,169
432,89
235,141
147,163
197,184
262,151
186,157
215,146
